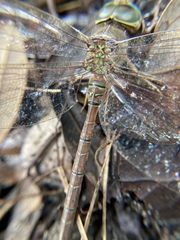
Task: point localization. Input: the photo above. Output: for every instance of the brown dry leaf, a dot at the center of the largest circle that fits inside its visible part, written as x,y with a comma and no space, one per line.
41,145
41,154
26,211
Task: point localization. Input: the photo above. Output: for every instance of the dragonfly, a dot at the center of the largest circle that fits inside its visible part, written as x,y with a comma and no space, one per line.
133,78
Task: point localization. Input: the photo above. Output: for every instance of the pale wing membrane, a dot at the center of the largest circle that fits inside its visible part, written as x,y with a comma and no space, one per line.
142,118
160,91
158,162
142,114
42,33
144,102
16,86
40,91
149,98
164,56
47,83
151,53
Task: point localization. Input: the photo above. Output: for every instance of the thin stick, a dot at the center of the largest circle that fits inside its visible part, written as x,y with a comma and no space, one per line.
105,182
106,161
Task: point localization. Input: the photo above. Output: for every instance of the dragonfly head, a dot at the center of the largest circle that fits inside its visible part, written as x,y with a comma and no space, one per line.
123,12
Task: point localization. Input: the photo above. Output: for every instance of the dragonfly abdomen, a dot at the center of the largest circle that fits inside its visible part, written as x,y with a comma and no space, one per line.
96,92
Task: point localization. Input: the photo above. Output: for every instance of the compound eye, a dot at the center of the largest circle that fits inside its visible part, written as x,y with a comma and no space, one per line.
127,14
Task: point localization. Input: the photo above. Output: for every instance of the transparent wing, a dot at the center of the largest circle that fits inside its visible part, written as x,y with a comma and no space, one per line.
144,101
156,162
28,87
145,98
141,112
146,131
42,33
45,87
152,53
148,122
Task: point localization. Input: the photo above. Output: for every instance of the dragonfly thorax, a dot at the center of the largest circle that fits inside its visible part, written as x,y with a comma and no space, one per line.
97,60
